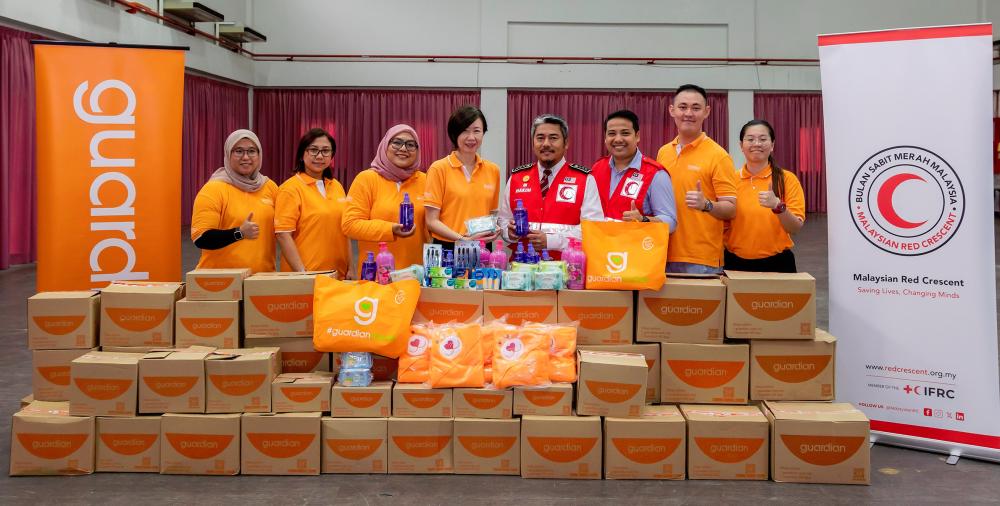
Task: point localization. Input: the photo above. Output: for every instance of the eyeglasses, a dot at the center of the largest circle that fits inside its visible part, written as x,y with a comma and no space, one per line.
758,140
399,144
251,152
314,151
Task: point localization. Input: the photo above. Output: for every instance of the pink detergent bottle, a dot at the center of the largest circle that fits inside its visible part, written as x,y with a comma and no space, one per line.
576,264
498,258
385,263
484,255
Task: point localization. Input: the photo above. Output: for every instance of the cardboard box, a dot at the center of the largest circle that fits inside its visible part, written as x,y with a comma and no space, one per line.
200,444
280,444
297,353
483,403
216,284
27,400
484,446
50,373
62,320
420,445
611,384
139,314
46,440
819,442
140,350
442,305
785,370
519,307
104,384
355,445
239,380
128,445
651,447
373,401
768,305
605,316
415,400
553,400
704,373
651,351
684,310
726,442
173,381
278,304
561,447
214,323
302,392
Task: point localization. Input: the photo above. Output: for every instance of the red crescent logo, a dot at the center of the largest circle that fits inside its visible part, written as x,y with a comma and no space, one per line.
885,200
566,192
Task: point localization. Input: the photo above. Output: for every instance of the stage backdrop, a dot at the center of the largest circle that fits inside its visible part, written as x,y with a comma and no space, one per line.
109,160
912,273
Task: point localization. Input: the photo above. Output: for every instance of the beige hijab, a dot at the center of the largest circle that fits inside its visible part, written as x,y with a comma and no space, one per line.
226,174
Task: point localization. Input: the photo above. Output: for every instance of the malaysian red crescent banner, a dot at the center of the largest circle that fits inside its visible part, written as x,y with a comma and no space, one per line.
907,118
109,164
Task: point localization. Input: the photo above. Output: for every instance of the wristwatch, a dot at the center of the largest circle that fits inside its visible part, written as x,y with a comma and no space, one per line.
645,219
238,235
780,208
708,206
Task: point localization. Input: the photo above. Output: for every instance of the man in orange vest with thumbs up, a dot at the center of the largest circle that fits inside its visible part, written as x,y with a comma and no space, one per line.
633,187
703,177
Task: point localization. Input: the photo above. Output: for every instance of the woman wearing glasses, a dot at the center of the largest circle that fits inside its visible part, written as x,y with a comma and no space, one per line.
307,218
233,217
770,207
372,214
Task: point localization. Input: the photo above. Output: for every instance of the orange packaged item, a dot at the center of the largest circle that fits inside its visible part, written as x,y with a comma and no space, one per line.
562,353
492,332
522,359
415,361
456,356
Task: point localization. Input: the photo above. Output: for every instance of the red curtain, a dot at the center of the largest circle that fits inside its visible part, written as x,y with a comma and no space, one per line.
357,119
797,119
212,110
585,112
17,147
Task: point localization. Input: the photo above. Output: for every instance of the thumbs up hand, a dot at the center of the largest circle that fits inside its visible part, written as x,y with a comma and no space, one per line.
249,229
632,214
695,199
767,198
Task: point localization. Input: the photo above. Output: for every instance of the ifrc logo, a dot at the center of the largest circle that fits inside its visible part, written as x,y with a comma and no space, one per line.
566,193
906,200
630,188
365,310
929,391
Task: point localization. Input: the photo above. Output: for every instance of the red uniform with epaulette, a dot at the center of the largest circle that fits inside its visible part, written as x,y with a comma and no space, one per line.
632,187
563,201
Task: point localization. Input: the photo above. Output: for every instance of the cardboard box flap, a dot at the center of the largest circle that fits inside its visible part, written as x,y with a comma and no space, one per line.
713,413
824,336
713,282
612,358
665,412
64,295
155,289
816,411
157,354
286,275
189,417
769,276
220,272
310,414
262,353
108,357
45,408
320,377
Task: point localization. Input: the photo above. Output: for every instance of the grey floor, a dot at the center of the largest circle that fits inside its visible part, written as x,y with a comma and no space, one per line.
898,476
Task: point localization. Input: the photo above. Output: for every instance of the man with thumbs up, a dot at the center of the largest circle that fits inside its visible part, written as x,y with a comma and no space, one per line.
703,176
632,186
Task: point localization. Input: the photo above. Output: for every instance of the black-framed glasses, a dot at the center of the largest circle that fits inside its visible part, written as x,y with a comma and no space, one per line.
251,152
399,144
314,151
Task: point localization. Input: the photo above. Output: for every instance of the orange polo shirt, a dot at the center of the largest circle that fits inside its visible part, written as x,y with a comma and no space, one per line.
698,237
314,222
756,232
372,210
222,206
460,196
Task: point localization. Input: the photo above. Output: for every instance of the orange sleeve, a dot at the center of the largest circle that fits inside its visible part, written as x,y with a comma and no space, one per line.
496,186
724,177
436,178
207,212
795,197
357,221
287,208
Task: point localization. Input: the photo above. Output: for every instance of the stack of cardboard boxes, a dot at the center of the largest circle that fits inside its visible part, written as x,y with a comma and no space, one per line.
703,379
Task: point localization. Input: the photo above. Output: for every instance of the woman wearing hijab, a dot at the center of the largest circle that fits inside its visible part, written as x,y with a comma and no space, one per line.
309,208
372,213
233,218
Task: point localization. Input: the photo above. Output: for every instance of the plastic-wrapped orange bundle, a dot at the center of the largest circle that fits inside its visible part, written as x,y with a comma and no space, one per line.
562,352
415,361
456,356
522,359
492,332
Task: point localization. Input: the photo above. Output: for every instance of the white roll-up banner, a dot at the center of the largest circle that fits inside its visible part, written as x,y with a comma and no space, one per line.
908,125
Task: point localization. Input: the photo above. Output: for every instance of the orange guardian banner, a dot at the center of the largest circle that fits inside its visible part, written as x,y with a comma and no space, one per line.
109,163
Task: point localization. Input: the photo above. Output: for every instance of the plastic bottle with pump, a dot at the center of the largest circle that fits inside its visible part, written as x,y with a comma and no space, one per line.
368,268
498,258
521,227
385,264
520,256
531,256
406,213
485,258
576,265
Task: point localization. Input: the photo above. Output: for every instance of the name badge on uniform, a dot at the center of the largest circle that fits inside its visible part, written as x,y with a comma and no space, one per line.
630,188
566,193
569,179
